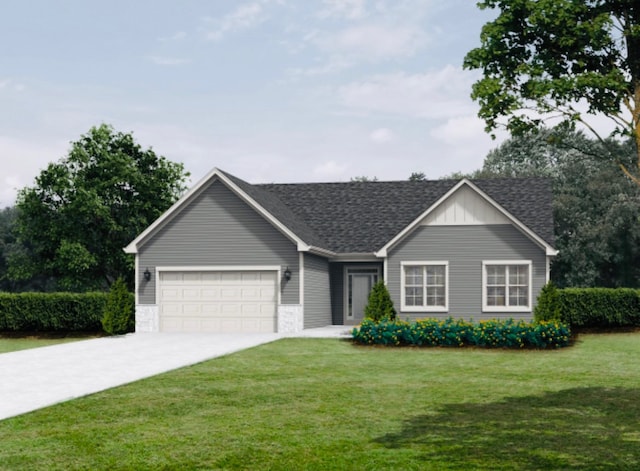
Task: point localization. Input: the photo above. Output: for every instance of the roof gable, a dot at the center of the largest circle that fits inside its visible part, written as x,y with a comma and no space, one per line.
239,187
487,202
369,217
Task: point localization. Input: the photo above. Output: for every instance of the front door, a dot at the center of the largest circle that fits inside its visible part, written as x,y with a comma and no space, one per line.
359,284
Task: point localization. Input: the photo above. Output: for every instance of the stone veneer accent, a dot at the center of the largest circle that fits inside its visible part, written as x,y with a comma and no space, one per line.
147,318
290,318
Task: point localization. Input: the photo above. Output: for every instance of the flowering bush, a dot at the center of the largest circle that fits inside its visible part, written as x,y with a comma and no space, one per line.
459,333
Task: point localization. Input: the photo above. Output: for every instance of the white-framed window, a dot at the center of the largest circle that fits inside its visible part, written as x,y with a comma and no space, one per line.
425,286
506,285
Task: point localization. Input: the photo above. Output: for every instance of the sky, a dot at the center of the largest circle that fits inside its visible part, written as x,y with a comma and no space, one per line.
268,90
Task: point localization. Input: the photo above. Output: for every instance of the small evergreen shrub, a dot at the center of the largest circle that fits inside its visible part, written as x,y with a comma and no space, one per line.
548,304
459,333
119,312
380,306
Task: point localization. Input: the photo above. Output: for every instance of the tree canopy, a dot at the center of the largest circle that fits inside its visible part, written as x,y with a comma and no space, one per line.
543,58
82,210
596,209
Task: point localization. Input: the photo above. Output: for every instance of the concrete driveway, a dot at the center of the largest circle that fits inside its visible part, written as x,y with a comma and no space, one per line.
40,377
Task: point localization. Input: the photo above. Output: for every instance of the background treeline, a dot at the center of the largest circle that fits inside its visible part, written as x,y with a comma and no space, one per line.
66,232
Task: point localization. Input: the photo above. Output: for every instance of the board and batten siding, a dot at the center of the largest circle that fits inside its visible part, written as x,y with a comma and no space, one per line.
317,296
465,248
218,228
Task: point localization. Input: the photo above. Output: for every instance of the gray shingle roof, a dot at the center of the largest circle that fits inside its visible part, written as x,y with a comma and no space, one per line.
361,217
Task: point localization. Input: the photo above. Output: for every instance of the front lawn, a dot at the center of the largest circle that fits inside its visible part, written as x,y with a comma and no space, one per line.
326,404
12,344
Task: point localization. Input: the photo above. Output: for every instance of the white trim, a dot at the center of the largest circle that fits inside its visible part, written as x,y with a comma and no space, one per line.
547,269
221,268
424,307
301,275
136,283
506,308
345,283
276,268
355,257
385,271
319,251
416,222
194,191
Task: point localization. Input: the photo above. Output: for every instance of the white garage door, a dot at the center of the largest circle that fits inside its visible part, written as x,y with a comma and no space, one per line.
218,301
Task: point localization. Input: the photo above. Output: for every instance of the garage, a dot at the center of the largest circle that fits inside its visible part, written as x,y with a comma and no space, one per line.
217,301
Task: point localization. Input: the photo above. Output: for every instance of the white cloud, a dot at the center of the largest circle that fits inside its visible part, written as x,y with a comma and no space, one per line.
333,65
331,170
349,9
381,135
372,42
244,17
434,95
168,61
9,84
462,128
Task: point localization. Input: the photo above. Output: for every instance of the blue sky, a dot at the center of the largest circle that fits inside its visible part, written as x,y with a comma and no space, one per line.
271,91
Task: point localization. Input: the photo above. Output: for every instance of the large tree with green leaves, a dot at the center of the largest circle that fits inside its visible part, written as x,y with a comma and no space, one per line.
596,208
558,58
85,208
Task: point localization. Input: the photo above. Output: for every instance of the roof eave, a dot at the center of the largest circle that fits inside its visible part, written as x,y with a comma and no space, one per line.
549,250
135,245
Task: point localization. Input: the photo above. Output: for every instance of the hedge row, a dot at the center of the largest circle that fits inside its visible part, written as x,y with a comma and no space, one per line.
52,312
459,333
599,308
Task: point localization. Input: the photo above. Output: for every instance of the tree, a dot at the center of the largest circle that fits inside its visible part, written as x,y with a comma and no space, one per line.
364,178
85,208
119,317
551,58
596,209
380,306
417,177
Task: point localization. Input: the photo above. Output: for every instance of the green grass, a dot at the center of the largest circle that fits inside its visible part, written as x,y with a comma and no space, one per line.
12,344
326,404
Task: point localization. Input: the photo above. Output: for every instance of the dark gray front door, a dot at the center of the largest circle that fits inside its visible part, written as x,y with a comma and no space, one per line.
359,284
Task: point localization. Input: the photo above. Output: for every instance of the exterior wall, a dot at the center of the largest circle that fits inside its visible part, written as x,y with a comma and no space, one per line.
217,228
338,287
317,297
336,274
465,247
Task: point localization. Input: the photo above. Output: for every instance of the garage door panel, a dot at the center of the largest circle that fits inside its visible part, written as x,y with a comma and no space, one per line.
228,309
218,301
230,277
232,293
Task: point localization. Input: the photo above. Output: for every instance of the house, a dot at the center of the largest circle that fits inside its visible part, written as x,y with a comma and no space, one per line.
231,256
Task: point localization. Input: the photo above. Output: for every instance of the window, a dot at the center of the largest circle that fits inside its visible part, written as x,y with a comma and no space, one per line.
506,286
425,286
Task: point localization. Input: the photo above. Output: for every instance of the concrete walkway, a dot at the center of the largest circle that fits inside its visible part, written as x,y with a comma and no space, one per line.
40,377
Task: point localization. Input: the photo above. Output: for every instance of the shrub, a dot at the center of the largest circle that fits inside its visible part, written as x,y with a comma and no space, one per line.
548,304
51,312
459,333
119,317
600,307
380,305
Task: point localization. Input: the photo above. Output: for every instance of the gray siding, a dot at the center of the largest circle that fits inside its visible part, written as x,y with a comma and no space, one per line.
465,247
218,228
317,297
336,272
